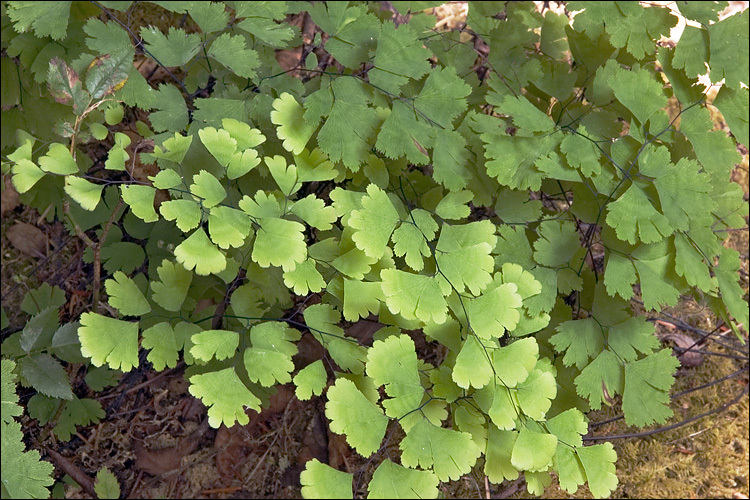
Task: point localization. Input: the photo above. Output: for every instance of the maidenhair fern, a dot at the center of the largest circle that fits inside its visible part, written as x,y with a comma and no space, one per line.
456,195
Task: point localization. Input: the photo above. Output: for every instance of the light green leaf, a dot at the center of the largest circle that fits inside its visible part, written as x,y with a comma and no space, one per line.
599,463
352,414
463,255
220,344
269,360
58,160
535,394
171,291
109,340
219,143
141,201
304,278
323,481
198,252
472,367
208,188
242,162
454,206
125,296
310,380
106,485
228,227
86,193
279,242
374,223
497,463
451,454
24,474
225,395
8,398
25,175
514,362
361,298
162,341
533,451
414,296
395,481
393,363
496,310
291,126
187,213
314,211
411,237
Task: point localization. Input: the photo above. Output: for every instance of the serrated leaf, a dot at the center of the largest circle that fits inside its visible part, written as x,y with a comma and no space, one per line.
352,414
106,485
198,252
225,395
172,114
46,19
398,57
65,85
24,474
230,51
38,331
141,201
645,399
109,72
45,374
77,412
109,340
125,296
175,49
361,298
279,242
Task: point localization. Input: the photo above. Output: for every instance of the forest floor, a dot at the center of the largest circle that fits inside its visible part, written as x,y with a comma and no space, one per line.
155,439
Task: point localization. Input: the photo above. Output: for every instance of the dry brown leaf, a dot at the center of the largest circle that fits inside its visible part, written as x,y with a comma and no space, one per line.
28,239
9,199
156,462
